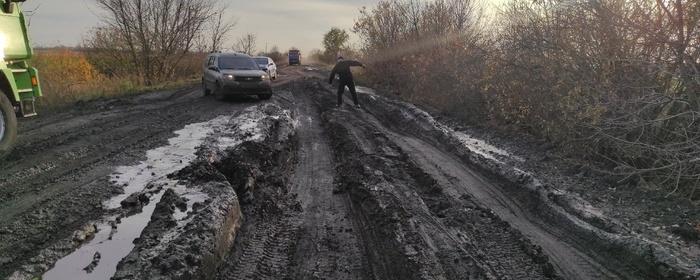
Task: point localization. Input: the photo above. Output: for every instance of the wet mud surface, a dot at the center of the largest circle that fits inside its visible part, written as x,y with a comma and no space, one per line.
173,185
59,176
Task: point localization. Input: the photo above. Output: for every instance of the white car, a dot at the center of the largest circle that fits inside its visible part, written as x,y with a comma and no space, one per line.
268,65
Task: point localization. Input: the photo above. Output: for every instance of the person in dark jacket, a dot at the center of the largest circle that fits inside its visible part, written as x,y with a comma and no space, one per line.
342,69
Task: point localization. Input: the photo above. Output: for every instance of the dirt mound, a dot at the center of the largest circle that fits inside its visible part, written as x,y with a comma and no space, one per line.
196,245
185,249
259,171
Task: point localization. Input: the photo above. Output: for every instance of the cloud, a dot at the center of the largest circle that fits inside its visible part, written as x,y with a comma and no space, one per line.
300,23
60,22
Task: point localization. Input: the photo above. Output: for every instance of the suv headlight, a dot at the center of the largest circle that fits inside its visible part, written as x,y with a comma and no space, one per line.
228,77
265,77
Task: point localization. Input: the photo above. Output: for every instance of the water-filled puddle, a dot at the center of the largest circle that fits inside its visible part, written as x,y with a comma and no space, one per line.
162,161
111,251
98,258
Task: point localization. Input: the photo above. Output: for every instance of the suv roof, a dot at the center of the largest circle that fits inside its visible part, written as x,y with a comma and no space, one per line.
232,54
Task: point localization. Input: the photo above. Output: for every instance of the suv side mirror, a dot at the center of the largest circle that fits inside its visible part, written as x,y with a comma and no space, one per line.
214,68
270,64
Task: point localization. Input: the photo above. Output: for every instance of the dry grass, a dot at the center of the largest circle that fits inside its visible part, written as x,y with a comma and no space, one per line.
68,76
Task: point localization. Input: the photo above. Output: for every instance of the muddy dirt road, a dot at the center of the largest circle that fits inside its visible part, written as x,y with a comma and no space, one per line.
173,185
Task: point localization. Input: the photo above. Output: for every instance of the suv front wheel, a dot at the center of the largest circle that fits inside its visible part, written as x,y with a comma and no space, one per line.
218,92
207,91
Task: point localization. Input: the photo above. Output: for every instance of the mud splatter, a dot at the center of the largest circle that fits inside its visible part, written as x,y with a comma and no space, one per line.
482,148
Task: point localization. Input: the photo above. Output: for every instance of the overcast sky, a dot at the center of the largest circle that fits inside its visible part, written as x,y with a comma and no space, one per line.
285,23
299,23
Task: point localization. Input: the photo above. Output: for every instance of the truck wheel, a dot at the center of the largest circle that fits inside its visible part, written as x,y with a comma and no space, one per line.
265,96
8,125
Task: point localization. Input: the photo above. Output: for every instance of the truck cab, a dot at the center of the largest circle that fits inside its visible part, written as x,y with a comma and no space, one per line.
294,57
19,83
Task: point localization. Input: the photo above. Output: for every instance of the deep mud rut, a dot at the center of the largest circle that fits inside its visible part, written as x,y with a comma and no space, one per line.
176,186
317,239
365,211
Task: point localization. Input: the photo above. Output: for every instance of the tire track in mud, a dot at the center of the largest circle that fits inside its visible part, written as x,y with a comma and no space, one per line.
444,238
459,181
298,229
327,247
412,229
264,246
261,251
571,258
389,219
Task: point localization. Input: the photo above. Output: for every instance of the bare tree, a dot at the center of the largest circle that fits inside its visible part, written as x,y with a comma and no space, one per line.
275,54
157,33
109,53
247,43
334,41
219,28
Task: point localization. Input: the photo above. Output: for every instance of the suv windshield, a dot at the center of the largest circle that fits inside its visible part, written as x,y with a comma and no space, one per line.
261,61
237,63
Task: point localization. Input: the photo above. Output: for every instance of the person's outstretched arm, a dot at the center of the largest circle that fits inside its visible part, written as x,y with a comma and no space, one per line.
355,63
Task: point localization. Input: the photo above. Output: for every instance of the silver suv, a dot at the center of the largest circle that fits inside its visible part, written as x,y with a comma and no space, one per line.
234,74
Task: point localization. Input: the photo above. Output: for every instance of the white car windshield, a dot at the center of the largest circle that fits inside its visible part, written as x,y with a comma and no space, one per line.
261,61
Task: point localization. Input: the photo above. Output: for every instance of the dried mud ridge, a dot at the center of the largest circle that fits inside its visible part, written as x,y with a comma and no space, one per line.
294,189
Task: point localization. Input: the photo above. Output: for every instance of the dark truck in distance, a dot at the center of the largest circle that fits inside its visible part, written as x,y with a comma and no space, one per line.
294,57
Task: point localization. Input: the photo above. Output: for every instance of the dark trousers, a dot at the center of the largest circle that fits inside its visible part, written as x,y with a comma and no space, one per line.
341,90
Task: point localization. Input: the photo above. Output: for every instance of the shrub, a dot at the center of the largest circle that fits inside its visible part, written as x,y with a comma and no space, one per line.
614,81
69,75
